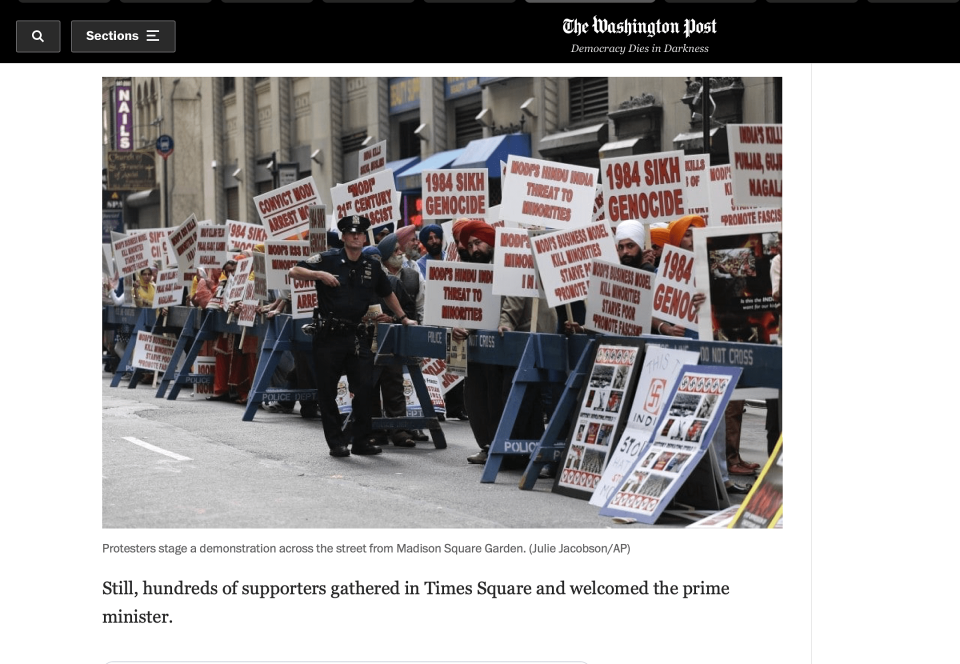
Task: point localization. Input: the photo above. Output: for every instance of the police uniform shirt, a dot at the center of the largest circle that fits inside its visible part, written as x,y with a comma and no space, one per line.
362,283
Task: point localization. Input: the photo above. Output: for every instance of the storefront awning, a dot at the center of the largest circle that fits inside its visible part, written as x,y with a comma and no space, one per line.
627,147
409,180
489,152
144,198
694,140
577,140
401,165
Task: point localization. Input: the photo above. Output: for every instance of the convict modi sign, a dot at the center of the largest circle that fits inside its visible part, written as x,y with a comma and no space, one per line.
461,295
286,210
563,260
547,193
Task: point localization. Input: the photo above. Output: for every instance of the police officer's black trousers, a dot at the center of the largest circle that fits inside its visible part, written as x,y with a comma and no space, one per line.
334,356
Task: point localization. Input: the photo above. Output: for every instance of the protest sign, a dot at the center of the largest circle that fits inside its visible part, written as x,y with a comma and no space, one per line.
732,268
280,256
756,162
675,288
452,193
131,252
318,229
249,305
169,289
726,212
619,299
211,246
285,211
205,365
303,299
260,276
437,367
461,295
681,437
563,260
434,389
599,214
373,197
696,185
161,253
242,236
603,400
547,193
237,285
763,506
514,271
657,377
372,159
152,352
646,188
183,240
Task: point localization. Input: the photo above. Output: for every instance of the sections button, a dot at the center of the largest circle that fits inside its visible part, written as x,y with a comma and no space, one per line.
123,36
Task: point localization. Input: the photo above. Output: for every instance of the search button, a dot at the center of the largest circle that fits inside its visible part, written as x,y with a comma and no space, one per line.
38,36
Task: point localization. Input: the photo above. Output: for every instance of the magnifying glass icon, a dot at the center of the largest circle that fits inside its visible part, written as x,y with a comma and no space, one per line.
37,36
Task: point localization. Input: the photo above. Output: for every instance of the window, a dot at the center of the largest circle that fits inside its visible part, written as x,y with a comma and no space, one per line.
588,99
466,125
233,203
229,85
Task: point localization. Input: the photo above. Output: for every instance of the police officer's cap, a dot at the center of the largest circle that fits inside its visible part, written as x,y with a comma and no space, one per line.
353,224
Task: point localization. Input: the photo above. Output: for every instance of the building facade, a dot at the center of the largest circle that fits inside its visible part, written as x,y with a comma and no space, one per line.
234,138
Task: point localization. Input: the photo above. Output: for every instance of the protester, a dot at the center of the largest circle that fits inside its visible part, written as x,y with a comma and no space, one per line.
144,290
488,385
431,237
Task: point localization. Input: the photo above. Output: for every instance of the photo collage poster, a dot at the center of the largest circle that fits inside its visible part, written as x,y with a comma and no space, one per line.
681,437
605,399
660,367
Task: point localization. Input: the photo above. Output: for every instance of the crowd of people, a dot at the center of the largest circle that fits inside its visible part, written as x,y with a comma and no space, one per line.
360,284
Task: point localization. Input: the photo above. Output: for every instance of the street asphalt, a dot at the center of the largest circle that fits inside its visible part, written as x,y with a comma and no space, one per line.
203,467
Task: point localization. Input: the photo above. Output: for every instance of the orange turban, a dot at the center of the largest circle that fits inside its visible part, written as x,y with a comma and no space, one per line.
678,227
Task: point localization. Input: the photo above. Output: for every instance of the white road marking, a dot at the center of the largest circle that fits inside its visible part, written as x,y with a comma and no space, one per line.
154,448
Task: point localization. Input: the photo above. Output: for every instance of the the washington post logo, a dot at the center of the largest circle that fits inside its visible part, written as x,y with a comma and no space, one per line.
657,387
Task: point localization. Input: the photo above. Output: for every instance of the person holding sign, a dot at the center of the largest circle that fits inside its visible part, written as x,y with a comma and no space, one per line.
680,234
144,289
488,385
630,242
348,283
431,237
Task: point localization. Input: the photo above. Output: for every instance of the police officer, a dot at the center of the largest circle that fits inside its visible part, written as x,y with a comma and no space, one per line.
348,283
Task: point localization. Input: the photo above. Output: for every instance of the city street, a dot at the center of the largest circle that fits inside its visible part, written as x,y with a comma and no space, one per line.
192,463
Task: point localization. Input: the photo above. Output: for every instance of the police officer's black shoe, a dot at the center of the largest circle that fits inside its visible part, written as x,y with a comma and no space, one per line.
366,448
339,451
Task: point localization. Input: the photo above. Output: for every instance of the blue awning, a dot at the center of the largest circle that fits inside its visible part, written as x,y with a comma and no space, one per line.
489,152
410,179
399,166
